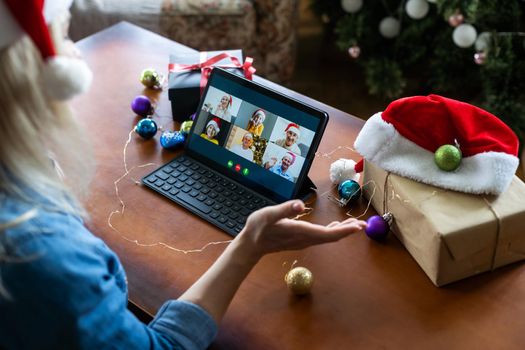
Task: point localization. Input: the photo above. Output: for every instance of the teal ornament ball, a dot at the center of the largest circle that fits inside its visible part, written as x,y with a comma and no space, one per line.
185,127
171,139
349,190
447,157
146,128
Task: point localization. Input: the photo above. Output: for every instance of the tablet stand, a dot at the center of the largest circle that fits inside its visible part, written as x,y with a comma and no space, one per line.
307,189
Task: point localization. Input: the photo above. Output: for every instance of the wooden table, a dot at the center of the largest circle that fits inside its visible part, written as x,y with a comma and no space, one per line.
366,295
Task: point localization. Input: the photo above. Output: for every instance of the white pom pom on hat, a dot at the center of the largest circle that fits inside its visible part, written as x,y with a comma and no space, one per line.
62,77
344,169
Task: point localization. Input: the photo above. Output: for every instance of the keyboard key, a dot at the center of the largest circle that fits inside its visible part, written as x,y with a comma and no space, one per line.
209,202
197,186
214,214
226,193
212,185
202,171
245,211
241,220
188,172
217,206
162,175
186,189
171,180
233,215
236,208
196,176
201,197
235,198
222,219
151,179
204,181
195,167
190,182
187,162
213,194
243,202
166,188
194,202
179,184
232,186
228,203
240,191
220,199
159,183
250,206
256,200
182,168
175,174
204,190
183,178
174,191
167,169
225,211
193,193
238,228
249,195
230,224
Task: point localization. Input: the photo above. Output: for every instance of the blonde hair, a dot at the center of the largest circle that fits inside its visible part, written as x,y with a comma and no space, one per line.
37,134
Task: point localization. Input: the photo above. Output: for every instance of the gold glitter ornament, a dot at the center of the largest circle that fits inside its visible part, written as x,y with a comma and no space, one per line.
299,280
150,78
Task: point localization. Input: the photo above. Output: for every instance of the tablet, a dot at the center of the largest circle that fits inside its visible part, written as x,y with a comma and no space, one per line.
256,136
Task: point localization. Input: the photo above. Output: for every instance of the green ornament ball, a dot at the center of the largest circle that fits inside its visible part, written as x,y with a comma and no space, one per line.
185,127
447,157
149,78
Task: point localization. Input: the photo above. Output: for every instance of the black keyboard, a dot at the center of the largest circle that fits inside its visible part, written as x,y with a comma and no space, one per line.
202,190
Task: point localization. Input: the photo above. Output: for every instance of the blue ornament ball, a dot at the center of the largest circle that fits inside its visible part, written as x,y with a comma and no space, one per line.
171,139
142,106
146,128
349,190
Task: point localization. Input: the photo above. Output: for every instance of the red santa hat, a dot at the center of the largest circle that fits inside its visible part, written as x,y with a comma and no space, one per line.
293,128
216,123
63,77
404,138
291,156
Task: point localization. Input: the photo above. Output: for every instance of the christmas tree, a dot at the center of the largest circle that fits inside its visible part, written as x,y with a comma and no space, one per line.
470,50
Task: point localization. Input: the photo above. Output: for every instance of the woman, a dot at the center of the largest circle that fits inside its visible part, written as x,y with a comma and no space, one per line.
223,108
60,286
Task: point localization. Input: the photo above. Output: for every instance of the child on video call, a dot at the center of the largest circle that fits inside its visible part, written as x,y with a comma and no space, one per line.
255,125
212,130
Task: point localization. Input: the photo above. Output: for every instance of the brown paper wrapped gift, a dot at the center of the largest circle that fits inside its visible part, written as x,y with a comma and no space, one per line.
452,235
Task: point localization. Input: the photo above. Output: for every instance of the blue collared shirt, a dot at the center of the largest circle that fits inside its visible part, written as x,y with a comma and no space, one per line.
277,169
68,291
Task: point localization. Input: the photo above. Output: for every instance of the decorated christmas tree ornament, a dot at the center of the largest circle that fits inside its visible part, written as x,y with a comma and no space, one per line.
354,51
142,106
464,35
480,58
351,6
299,280
378,226
146,128
389,27
150,78
483,42
185,126
448,157
456,19
349,191
417,9
171,139
489,148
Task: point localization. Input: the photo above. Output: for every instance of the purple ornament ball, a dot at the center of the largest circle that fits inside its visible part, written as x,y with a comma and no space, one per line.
377,228
142,106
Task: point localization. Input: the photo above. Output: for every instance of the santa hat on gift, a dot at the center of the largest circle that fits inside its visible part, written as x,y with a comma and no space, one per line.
291,156
404,138
216,123
63,77
293,128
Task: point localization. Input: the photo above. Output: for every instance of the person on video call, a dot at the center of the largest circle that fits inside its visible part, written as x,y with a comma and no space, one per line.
281,169
222,110
244,148
255,125
291,136
61,287
212,130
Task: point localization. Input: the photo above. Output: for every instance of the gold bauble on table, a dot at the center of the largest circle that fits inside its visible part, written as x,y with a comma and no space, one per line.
299,280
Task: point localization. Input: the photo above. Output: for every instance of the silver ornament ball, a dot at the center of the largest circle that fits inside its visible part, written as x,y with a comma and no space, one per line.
464,35
389,27
417,9
351,6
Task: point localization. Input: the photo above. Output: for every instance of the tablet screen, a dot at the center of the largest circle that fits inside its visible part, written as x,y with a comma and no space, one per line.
257,136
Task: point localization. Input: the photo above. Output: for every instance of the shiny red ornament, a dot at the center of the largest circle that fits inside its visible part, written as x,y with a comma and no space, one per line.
456,19
354,51
480,58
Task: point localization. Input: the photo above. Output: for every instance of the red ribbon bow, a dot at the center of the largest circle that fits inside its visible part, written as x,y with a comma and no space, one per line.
206,66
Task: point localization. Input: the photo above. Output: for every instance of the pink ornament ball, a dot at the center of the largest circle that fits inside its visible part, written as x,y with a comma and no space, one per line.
456,19
354,51
480,58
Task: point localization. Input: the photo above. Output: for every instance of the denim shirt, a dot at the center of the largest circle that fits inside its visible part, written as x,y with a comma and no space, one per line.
68,291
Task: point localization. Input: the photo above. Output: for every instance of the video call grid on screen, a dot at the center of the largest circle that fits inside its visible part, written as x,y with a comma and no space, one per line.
242,127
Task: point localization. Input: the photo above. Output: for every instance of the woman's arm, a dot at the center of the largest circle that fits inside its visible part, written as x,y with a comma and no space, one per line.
267,230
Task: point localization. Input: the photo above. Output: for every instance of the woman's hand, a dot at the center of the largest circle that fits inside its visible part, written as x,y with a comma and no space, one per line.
270,229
